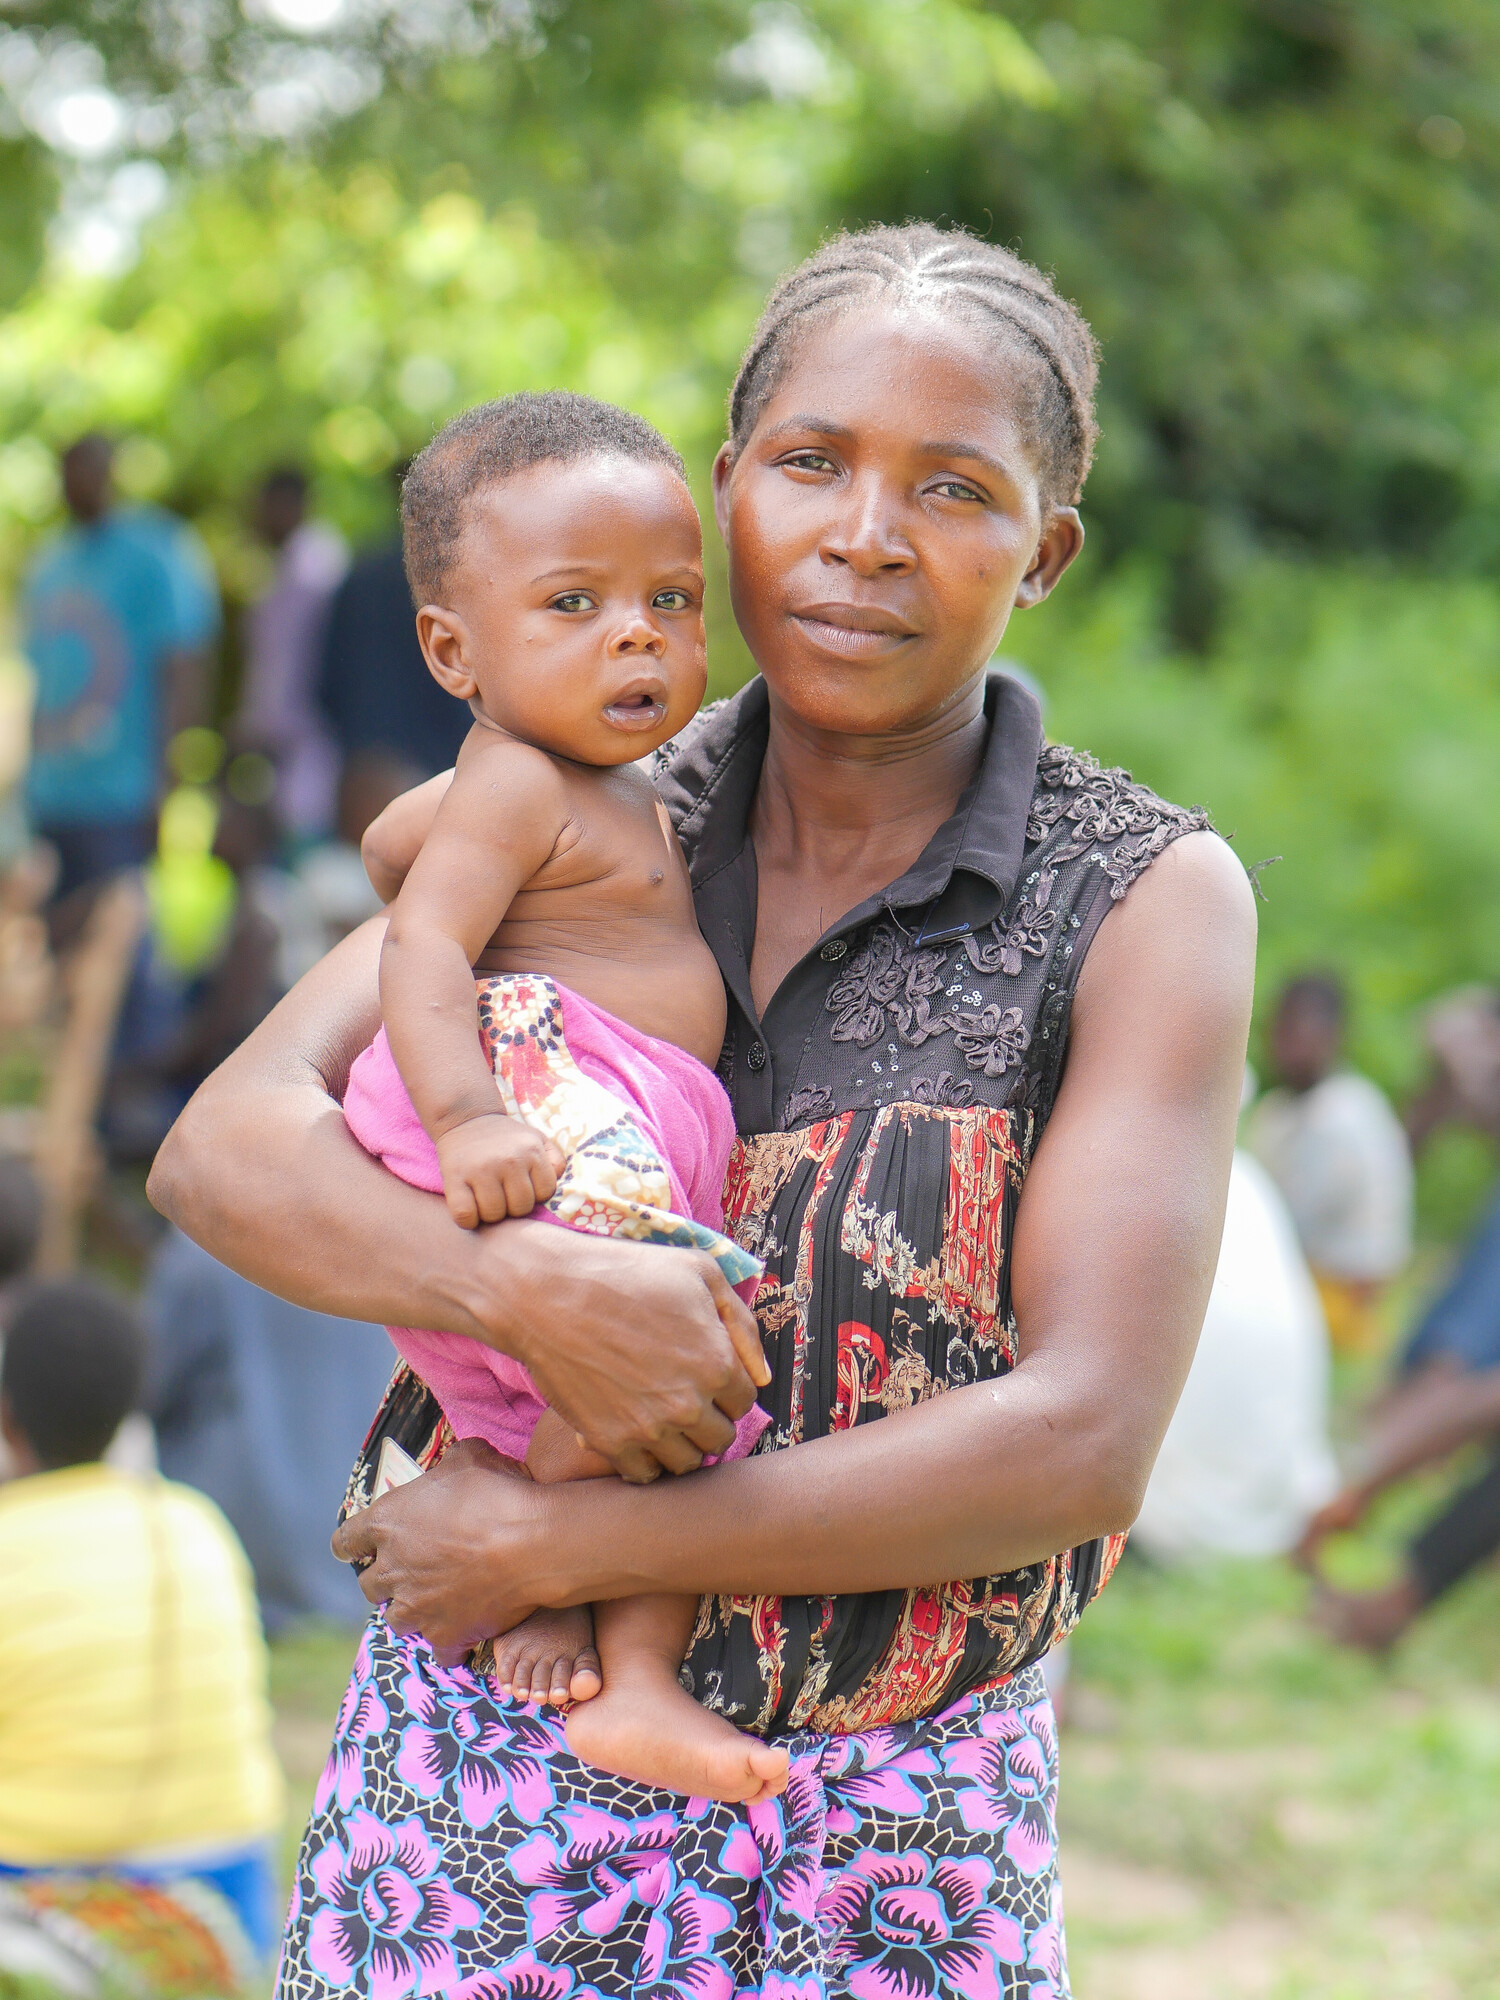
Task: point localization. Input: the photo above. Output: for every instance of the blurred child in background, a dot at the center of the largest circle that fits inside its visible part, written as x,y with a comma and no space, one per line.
134,1718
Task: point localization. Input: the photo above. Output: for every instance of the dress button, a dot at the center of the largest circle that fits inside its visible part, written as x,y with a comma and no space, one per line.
755,1055
833,951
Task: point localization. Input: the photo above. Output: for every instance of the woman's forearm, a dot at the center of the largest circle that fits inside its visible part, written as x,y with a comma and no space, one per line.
974,1483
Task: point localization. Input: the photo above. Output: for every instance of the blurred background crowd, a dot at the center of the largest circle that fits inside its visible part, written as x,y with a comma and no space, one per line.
253,255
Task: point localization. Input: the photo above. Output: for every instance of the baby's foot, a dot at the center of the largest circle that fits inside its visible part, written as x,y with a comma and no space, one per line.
549,1657
645,1726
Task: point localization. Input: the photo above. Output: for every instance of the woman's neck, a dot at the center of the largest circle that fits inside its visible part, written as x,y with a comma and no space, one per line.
827,798
838,818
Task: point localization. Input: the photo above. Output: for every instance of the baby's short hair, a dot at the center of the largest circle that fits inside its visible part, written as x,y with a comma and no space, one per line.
489,443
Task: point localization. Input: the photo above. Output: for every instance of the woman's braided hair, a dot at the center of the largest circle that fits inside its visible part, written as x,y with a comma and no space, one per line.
956,273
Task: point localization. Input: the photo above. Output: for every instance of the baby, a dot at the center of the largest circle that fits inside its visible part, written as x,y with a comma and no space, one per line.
550,1007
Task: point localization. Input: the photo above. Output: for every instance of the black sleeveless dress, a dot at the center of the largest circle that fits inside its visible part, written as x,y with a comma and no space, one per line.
889,1105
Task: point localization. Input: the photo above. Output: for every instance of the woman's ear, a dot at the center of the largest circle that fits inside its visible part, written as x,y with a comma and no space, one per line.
1061,540
723,467
444,639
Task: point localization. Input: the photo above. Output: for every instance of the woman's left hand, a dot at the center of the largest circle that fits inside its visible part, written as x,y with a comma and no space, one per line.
442,1552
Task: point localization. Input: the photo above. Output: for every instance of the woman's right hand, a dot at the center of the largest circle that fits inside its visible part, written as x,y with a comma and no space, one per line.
438,1552
645,1351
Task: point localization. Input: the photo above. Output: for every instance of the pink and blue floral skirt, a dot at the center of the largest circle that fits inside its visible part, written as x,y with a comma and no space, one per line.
458,1848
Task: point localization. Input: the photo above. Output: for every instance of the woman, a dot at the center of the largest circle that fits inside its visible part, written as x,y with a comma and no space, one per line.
987,1103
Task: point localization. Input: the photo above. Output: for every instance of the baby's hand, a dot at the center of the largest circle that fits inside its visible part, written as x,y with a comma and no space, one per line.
494,1167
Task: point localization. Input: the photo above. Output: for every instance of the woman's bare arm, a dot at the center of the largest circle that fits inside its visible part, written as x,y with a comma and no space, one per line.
1116,1244
643,1353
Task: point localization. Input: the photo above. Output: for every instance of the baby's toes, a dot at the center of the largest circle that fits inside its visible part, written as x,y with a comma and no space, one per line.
545,1672
514,1672
557,1685
533,1679
587,1678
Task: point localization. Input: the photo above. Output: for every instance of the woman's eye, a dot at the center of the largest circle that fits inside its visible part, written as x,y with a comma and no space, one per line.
671,600
809,461
958,489
573,600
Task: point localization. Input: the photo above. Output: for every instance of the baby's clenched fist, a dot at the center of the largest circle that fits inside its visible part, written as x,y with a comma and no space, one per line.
494,1167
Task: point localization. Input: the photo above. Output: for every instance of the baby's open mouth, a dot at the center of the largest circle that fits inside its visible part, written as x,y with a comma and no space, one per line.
641,709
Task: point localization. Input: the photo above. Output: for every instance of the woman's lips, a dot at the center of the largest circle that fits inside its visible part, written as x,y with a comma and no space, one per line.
851,631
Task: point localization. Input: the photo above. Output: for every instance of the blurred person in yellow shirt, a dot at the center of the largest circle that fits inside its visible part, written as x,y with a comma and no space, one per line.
134,1716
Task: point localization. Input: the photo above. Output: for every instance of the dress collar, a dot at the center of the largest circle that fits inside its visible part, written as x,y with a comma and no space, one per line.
708,785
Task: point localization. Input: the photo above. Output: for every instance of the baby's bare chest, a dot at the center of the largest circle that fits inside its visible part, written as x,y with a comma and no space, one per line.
611,916
615,879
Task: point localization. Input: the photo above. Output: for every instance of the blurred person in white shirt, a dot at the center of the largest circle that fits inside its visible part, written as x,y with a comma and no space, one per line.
1246,1459
1336,1150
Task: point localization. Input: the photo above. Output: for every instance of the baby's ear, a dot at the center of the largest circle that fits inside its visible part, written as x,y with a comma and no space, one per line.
444,639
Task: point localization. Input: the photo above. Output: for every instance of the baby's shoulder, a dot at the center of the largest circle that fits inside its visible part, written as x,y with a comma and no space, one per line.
505,771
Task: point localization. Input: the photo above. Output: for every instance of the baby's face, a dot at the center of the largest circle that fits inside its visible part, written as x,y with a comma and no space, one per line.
579,588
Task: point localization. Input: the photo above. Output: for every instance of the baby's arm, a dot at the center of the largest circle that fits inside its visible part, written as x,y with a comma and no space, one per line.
497,824
393,841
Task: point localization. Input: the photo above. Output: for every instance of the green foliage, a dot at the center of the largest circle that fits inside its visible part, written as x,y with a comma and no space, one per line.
1282,220
28,192
1284,223
1346,720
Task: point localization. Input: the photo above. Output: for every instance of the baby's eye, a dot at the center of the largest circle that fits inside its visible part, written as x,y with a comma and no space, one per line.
671,600
573,600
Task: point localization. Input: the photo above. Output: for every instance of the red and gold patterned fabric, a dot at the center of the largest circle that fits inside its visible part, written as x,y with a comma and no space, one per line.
891,1227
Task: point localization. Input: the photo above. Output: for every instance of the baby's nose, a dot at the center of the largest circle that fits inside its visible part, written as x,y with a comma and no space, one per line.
639,635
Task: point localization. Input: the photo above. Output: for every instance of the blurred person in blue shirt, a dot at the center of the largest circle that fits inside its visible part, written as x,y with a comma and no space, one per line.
1446,1394
119,613
263,1406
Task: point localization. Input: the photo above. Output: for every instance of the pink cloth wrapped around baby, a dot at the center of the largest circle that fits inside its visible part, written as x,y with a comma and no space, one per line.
673,1129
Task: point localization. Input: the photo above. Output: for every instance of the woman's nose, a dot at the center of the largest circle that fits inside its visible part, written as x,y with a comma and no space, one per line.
638,634
868,534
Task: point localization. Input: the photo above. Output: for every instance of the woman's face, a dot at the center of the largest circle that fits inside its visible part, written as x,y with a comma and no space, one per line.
882,519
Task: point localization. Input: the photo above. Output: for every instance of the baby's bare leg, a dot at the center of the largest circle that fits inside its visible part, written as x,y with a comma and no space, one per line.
646,1726
550,1656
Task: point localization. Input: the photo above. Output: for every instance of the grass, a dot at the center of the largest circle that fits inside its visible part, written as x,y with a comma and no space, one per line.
1248,1810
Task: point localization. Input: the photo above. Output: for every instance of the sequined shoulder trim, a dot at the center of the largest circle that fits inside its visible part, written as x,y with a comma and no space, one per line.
1104,810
